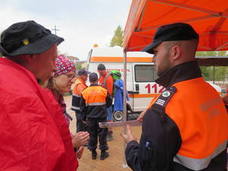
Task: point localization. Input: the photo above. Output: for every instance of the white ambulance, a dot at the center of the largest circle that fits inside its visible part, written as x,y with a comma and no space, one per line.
140,73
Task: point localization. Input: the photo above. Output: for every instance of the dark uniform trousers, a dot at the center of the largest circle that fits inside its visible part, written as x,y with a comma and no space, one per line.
80,125
96,132
79,117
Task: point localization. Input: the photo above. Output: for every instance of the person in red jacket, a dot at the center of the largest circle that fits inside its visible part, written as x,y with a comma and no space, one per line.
34,133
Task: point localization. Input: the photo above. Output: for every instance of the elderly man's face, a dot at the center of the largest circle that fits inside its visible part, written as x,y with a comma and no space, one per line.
44,64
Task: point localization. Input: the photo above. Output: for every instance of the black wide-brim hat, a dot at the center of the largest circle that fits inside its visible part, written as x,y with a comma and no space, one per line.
25,38
172,32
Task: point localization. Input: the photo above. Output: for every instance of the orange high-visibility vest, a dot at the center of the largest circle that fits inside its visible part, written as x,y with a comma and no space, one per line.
107,82
95,96
202,120
79,87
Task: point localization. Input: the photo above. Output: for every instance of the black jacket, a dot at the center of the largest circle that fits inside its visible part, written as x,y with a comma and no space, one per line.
160,140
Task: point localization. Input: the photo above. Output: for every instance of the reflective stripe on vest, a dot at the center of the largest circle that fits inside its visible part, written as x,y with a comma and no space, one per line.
95,96
74,107
201,117
76,102
199,164
95,104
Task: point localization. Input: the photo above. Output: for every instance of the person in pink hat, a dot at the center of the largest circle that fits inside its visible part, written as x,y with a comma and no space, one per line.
59,84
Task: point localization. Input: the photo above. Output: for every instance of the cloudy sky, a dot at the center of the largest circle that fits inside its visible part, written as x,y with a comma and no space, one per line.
81,23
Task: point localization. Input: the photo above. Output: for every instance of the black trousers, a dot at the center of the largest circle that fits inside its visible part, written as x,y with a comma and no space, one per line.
96,133
79,124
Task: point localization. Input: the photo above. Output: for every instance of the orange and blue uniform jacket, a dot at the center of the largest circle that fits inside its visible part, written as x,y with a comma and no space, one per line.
185,129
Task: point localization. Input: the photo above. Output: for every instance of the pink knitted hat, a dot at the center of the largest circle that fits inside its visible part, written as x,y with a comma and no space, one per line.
63,65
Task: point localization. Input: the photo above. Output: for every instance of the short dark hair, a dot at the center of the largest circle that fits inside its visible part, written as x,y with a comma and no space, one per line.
101,67
93,77
82,72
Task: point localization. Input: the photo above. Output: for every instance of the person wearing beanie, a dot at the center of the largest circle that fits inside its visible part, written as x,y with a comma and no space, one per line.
34,134
118,95
94,102
59,84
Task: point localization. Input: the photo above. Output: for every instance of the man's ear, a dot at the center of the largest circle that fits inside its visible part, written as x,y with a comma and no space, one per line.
175,52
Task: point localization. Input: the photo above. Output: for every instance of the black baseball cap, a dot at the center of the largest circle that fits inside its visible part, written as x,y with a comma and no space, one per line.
82,72
172,32
93,77
101,67
27,37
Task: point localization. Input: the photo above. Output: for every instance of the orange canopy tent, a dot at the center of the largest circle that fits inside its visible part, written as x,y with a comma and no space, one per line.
208,17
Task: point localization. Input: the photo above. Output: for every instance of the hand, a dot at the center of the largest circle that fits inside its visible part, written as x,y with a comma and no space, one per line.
80,152
140,118
128,135
80,139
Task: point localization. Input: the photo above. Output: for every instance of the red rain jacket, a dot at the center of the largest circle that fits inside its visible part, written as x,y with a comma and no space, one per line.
33,132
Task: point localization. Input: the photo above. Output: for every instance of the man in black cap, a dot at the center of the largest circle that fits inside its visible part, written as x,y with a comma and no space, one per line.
34,134
185,128
95,100
79,86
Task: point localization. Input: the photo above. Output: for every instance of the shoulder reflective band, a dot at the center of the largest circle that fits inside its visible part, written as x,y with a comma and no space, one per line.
199,164
95,104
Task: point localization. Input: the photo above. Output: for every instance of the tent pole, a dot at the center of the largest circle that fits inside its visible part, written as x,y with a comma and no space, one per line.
124,102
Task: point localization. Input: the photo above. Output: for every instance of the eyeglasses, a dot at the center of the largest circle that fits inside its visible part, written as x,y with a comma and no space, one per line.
70,76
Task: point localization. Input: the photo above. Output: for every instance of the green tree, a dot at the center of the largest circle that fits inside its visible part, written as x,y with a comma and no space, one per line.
215,73
78,66
211,53
117,39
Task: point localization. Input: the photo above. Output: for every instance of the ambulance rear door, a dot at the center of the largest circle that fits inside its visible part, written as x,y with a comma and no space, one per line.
144,86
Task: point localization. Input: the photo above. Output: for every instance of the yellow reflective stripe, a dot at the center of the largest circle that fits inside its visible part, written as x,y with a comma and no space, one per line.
199,164
95,104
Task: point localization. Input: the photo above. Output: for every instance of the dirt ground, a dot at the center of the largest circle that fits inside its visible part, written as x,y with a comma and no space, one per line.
115,162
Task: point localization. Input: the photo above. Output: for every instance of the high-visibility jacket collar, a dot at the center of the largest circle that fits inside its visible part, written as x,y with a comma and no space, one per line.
181,72
79,80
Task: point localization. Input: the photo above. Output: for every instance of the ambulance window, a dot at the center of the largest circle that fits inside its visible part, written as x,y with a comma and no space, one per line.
144,73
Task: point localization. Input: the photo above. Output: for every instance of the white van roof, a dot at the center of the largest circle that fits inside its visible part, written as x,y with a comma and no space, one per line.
115,54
